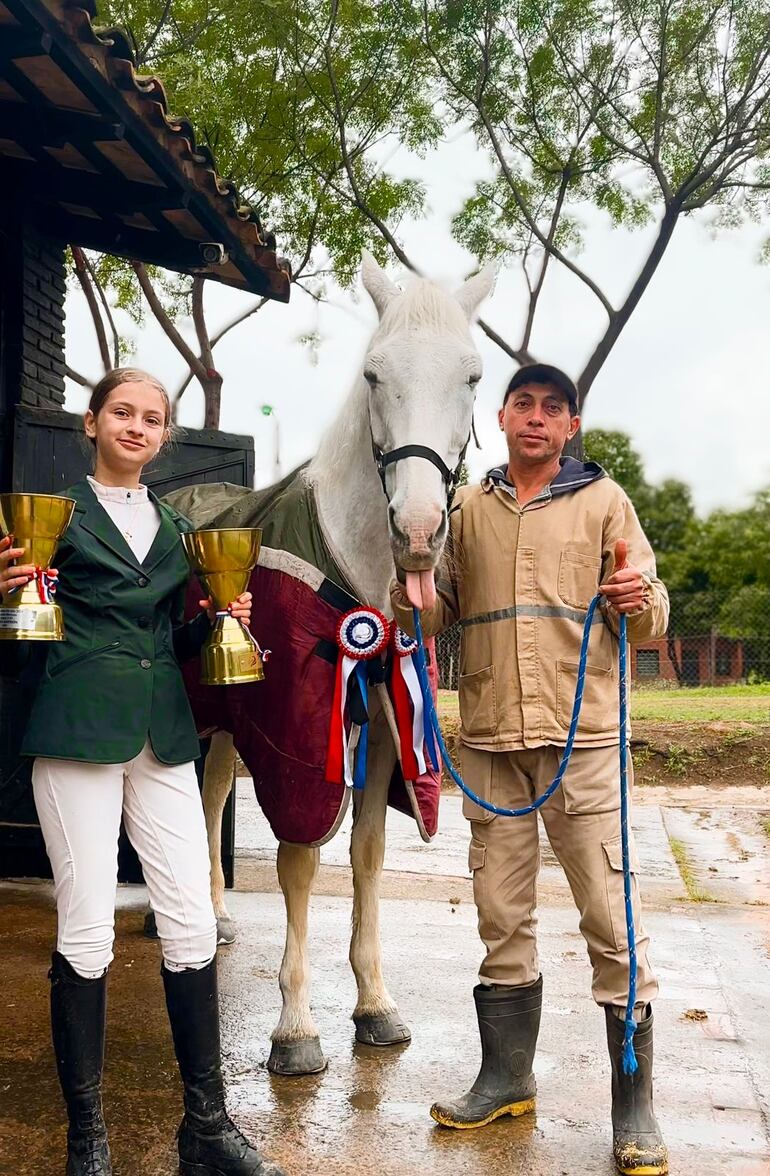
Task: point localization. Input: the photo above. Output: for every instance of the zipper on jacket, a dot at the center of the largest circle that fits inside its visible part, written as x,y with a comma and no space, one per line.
79,657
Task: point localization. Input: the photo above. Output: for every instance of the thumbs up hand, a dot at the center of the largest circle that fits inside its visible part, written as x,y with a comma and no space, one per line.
624,589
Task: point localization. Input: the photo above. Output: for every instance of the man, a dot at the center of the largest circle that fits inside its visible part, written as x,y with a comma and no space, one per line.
528,550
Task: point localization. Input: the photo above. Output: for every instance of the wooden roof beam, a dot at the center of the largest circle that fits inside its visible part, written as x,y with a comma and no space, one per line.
70,58
114,237
20,43
53,127
54,184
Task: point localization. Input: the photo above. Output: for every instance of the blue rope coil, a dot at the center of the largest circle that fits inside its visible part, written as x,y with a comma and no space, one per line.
433,732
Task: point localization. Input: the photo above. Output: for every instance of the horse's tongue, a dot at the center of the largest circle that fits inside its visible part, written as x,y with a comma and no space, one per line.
421,589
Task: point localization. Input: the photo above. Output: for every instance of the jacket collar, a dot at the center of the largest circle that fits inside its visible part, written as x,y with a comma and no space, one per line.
573,475
94,519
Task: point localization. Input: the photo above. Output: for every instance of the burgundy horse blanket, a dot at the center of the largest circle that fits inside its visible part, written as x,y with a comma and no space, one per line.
281,726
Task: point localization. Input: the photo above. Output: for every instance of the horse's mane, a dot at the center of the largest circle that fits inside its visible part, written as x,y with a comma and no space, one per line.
423,306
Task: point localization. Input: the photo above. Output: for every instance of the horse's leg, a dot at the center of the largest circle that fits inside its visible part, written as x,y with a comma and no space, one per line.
217,784
218,775
376,1016
296,1044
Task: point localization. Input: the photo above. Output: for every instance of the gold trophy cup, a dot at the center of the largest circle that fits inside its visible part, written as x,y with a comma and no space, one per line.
37,523
223,560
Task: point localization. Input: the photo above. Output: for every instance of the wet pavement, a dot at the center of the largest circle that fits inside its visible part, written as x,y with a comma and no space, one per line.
369,1112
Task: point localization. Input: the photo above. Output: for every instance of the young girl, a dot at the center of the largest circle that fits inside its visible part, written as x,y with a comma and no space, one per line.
113,736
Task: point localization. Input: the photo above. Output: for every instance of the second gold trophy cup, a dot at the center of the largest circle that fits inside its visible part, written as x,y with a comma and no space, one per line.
223,560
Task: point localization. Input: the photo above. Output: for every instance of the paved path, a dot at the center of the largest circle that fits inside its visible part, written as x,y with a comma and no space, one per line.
368,1113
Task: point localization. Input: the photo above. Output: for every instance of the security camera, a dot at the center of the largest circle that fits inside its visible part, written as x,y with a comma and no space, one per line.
212,253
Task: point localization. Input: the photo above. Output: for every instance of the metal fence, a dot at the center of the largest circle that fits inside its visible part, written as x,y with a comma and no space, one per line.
705,656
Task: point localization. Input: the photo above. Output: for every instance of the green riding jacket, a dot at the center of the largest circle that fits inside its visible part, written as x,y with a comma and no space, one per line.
115,679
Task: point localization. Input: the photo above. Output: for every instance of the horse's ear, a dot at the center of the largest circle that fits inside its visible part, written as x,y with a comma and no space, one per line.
476,289
377,283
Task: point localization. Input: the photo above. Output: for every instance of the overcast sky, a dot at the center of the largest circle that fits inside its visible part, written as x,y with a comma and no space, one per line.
688,378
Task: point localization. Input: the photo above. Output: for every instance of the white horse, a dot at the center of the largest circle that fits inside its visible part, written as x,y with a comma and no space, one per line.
416,387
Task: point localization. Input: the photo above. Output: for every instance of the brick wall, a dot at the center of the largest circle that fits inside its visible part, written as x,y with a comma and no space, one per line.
41,381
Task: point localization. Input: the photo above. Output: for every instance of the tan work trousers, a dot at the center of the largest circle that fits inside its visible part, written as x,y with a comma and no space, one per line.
582,821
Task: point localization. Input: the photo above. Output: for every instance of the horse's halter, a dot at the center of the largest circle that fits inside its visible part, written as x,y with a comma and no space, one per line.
451,477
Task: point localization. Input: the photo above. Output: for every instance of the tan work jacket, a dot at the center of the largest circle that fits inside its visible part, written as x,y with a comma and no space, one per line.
519,580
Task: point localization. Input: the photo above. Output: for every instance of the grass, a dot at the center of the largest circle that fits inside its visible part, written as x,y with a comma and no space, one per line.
448,705
679,760
702,704
766,826
684,865
685,704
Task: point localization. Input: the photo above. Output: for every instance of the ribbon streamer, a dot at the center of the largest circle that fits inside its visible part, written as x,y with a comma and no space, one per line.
45,582
362,635
408,705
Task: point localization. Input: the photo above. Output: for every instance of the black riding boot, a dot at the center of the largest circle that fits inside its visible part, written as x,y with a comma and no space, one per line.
637,1144
209,1142
509,1020
78,1019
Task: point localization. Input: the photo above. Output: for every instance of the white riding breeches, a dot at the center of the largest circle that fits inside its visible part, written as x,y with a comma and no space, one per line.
80,807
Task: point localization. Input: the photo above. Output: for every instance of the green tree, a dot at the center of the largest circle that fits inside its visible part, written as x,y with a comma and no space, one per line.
649,111
616,455
297,103
720,580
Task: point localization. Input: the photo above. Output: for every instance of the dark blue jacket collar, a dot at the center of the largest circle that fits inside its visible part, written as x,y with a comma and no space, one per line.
572,476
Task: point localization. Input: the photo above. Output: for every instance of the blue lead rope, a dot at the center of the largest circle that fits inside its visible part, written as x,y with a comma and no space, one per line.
433,732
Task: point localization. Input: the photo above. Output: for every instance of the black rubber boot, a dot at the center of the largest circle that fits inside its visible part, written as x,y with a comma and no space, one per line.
78,1020
509,1021
209,1142
637,1144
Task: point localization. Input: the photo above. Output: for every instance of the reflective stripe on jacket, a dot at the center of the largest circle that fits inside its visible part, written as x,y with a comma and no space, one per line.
519,580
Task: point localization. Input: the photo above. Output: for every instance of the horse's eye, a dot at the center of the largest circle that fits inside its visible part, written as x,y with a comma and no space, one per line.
370,376
473,380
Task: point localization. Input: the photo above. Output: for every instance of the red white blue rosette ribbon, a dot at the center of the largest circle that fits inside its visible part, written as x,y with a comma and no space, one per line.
362,634
408,705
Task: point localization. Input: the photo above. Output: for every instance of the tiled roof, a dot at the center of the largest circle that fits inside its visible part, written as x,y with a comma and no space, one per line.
110,166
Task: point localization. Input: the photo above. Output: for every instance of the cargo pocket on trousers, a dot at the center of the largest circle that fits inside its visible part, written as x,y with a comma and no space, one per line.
477,855
476,771
613,877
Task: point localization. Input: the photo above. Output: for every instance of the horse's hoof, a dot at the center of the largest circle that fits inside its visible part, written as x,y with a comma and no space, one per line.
292,1059
150,926
381,1029
226,931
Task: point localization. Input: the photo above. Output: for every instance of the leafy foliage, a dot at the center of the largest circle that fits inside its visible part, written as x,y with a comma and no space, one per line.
717,569
646,111
268,87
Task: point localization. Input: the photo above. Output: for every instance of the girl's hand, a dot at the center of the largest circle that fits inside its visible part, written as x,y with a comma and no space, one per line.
12,577
240,608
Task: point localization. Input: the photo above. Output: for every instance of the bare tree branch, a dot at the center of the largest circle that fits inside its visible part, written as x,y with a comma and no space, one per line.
199,320
166,323
623,314
83,277
221,334
509,176
107,311
77,377
534,294
145,51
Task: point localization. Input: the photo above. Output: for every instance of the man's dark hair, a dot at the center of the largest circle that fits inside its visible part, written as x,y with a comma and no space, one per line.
544,374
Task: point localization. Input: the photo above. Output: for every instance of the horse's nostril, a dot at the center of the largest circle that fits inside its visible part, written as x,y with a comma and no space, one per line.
395,530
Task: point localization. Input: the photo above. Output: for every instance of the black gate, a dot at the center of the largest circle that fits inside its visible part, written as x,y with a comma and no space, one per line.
49,454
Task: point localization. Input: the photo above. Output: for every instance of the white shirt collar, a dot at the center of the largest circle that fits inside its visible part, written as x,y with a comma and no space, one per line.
118,493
